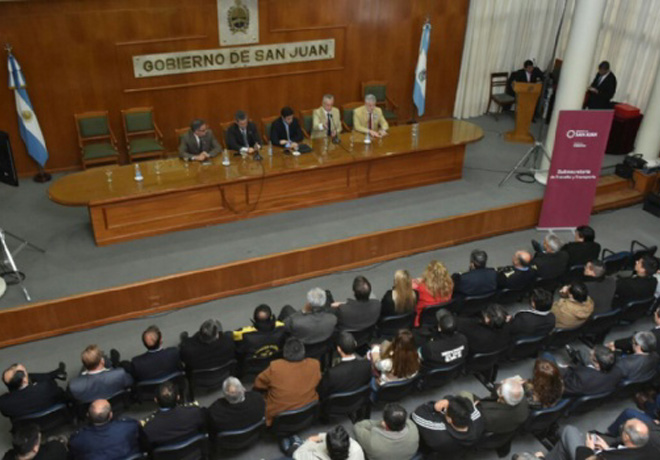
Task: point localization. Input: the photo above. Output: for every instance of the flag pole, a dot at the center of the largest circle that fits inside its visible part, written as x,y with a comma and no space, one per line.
413,120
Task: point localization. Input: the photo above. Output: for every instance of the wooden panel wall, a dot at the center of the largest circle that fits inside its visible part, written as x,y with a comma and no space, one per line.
76,56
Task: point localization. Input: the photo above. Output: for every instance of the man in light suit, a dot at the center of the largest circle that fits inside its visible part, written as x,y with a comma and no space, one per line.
326,121
602,89
370,119
198,144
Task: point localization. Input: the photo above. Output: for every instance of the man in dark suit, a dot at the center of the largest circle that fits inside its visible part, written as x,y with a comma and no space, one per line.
207,348
505,412
626,344
600,287
550,262
528,74
313,324
359,313
172,422
518,276
30,393
479,280
105,438
538,320
602,89
285,131
97,381
584,248
445,345
243,135
26,445
487,333
641,285
198,144
238,408
642,365
351,373
599,376
157,361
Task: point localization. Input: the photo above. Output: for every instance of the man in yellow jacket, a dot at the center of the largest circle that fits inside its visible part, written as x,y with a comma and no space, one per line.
370,119
325,120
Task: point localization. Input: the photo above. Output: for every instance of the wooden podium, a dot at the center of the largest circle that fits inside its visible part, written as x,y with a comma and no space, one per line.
527,94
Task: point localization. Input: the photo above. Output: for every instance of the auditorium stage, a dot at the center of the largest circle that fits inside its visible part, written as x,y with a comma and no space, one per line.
74,265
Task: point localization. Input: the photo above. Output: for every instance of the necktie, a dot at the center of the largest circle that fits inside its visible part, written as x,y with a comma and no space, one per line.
370,121
199,143
286,125
329,124
245,139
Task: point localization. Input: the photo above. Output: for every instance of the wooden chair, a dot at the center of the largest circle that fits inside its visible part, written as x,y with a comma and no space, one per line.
265,127
379,89
347,114
178,134
498,93
306,118
224,126
97,142
143,138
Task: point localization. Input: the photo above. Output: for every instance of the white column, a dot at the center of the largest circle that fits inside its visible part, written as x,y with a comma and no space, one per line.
648,137
576,70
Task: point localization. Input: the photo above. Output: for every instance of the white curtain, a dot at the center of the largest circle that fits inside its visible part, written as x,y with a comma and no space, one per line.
500,36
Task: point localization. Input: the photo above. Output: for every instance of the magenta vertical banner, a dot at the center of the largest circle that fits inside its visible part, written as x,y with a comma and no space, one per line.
580,144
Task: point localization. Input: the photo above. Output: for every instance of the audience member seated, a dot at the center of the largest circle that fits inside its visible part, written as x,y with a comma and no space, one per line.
550,262
351,373
434,287
536,321
444,345
263,339
488,332
396,360
336,444
518,276
289,383
626,344
448,425
641,285
97,381
238,408
584,249
105,438
359,313
394,438
642,364
313,324
157,361
598,376
505,411
574,307
600,287
402,298
26,445
172,422
615,428
546,386
479,280
30,393
208,348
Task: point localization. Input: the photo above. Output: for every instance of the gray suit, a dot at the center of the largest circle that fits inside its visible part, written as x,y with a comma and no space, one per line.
188,146
90,387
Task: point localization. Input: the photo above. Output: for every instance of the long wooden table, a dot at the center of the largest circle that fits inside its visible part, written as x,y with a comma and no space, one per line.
176,195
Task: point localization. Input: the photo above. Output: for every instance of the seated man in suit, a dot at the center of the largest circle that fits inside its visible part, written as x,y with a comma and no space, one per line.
370,119
550,262
238,409
157,361
198,144
574,307
505,411
625,345
584,249
351,373
207,348
488,332
536,321
518,276
313,324
528,74
242,136
602,89
30,393
600,287
325,119
479,280
105,438
172,422
395,437
97,381
641,285
359,313
285,131
263,339
26,445
642,364
444,346
599,376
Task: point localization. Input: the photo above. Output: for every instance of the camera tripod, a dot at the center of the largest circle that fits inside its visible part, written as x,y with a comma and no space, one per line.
10,273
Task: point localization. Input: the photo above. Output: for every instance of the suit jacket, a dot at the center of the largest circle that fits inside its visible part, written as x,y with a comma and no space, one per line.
288,385
234,138
196,354
117,439
550,265
89,387
602,291
638,367
581,252
278,132
520,76
515,278
361,120
346,376
443,349
50,450
357,315
313,327
481,338
502,418
188,146
585,380
224,416
606,90
647,452
319,117
532,323
167,426
156,363
35,397
570,314
634,288
479,281
625,344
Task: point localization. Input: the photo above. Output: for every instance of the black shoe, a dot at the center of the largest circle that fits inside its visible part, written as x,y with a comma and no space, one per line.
115,358
183,336
537,246
574,355
61,371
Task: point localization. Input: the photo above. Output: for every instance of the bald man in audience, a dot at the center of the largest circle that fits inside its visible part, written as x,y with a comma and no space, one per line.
157,362
97,381
518,276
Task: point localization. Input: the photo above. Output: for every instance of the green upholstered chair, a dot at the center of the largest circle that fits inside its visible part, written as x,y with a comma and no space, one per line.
96,140
346,111
306,120
265,127
498,93
143,138
379,89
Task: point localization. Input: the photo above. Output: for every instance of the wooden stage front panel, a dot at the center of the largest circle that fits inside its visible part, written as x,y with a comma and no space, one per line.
175,195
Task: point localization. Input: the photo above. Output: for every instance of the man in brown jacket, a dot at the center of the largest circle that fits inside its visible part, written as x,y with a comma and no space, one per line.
574,307
289,383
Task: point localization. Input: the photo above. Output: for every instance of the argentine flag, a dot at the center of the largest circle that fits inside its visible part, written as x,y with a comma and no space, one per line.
27,119
419,92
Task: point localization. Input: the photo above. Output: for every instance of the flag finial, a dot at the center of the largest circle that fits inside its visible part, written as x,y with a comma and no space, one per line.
8,48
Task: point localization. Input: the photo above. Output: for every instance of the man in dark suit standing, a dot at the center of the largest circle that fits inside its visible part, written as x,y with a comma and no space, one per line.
602,89
479,280
198,144
243,135
285,131
600,376
351,373
584,249
528,74
30,393
157,361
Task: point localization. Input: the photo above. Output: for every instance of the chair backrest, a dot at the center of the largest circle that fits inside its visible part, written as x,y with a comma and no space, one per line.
636,309
498,80
146,389
587,403
427,317
473,305
540,421
389,326
293,421
138,120
525,347
508,296
266,123
240,439
482,362
93,125
549,284
213,377
561,337
195,447
395,391
347,402
638,250
48,419
376,87
347,113
224,126
597,327
439,376
614,262
306,121
363,336
575,272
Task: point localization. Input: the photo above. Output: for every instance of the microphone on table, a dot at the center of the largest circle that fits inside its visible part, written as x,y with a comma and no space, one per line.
257,156
335,138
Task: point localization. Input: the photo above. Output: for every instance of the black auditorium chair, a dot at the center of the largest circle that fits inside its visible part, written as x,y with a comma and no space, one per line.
542,422
636,310
354,404
293,421
596,328
236,440
559,338
427,317
193,448
484,366
473,305
525,347
614,262
393,391
508,296
211,378
48,420
388,326
586,403
145,390
438,376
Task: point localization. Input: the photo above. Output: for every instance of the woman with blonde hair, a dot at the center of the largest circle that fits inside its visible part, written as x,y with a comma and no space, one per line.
402,298
434,287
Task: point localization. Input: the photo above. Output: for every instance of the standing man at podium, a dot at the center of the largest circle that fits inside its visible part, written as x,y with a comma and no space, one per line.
325,120
528,74
369,118
198,144
602,89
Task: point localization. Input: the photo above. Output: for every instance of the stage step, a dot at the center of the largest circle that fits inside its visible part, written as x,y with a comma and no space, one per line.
613,183
616,199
